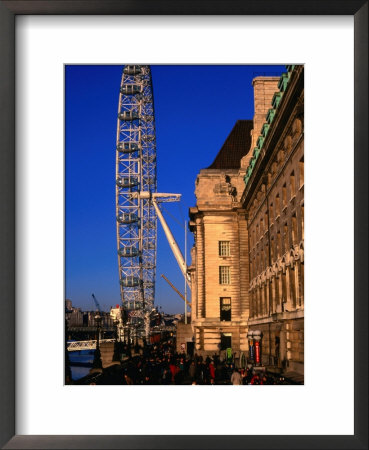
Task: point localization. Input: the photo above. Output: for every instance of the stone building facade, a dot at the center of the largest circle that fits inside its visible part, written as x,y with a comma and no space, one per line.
219,271
274,203
248,225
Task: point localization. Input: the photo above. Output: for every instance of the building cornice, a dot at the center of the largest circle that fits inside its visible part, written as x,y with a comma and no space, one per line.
282,117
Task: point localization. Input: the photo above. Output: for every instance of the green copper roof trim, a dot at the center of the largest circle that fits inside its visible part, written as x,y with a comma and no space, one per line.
276,99
283,81
265,129
290,67
270,115
260,142
282,84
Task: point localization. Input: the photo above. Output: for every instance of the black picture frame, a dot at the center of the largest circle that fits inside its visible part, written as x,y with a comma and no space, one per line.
8,11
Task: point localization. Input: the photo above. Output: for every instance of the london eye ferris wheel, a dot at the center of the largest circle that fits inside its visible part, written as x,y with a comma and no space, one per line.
136,173
137,198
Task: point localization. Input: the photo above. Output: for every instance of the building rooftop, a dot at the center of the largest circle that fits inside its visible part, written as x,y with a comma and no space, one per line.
235,147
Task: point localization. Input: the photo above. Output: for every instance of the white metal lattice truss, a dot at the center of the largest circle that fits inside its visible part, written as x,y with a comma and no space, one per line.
137,200
136,172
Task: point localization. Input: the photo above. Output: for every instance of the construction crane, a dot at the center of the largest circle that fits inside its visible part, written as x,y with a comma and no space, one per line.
175,289
96,303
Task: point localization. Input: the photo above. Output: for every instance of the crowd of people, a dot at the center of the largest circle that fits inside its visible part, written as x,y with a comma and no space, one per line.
160,364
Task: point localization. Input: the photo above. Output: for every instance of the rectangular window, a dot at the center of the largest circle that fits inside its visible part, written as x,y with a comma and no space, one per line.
293,287
292,184
279,244
294,229
225,309
224,248
276,290
277,206
284,196
284,289
301,172
285,238
224,275
272,253
302,222
271,213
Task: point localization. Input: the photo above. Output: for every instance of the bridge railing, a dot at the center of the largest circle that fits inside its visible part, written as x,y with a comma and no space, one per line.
75,346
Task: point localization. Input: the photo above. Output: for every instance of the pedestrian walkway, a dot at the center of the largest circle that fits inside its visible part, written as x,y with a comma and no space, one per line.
159,364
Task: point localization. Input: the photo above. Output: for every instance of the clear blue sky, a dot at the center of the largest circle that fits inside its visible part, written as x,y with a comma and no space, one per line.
195,109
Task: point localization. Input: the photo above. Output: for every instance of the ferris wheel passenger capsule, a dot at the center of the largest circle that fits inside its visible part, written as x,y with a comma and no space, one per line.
128,147
127,218
131,89
128,115
148,138
128,252
129,281
126,182
132,70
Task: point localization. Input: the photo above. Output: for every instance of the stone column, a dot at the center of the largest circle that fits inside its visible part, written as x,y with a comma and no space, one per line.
302,282
200,269
282,345
245,299
272,296
280,286
297,284
252,303
274,288
288,304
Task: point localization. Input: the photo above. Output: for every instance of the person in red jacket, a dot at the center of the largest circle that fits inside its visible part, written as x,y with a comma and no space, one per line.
173,370
212,371
255,379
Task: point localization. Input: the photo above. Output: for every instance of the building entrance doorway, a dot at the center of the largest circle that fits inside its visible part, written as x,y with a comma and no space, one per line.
225,309
226,341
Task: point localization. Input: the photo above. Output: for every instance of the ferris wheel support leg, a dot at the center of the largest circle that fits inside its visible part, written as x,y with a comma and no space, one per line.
172,243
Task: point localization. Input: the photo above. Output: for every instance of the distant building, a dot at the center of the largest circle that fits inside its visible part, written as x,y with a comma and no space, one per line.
78,318
247,270
73,315
68,305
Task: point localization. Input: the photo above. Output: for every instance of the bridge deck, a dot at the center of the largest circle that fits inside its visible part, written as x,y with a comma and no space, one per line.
75,346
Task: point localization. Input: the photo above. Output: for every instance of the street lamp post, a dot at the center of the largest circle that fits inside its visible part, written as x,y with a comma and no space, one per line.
116,356
97,363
